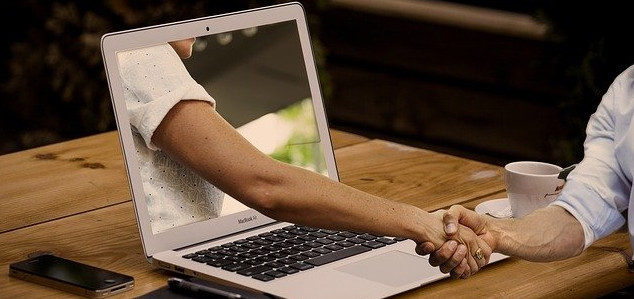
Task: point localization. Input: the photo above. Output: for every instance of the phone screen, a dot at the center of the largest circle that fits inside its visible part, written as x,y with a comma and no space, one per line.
71,276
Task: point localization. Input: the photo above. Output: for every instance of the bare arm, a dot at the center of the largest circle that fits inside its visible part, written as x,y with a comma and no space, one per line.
194,134
548,234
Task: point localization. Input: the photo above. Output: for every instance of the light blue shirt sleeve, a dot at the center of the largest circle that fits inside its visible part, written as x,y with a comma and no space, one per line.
599,189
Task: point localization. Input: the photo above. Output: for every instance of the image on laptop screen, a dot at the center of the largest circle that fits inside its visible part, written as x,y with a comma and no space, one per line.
258,80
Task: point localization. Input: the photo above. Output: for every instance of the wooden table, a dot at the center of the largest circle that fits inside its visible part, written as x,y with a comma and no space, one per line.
72,199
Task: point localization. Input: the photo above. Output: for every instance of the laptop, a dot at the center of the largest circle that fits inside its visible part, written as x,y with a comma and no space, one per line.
258,65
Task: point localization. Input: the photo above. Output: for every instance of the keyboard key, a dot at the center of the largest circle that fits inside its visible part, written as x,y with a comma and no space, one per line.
234,258
322,250
307,238
337,255
313,244
287,261
345,243
288,270
310,254
318,234
254,270
333,247
328,231
356,240
295,241
275,265
219,263
301,266
373,244
263,277
367,237
254,262
236,267
214,256
298,232
336,238
201,259
347,234
264,259
324,241
262,242
275,273
298,257
277,255
386,241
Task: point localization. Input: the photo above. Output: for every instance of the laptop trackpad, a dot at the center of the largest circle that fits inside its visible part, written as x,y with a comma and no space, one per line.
394,268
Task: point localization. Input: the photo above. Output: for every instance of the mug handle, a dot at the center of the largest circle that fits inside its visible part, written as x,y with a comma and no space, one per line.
563,174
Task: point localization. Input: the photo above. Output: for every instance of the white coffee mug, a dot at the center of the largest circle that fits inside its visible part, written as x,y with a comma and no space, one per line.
531,185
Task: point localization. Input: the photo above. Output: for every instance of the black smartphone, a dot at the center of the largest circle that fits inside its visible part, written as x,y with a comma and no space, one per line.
71,276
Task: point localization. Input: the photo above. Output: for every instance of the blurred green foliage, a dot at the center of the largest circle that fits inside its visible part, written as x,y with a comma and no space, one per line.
302,148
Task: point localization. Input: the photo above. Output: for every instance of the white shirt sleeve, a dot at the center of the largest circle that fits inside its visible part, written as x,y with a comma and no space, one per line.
155,79
598,189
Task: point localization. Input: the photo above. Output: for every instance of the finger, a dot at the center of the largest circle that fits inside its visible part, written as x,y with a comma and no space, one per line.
466,217
450,222
455,259
425,248
486,253
473,265
462,271
473,245
443,254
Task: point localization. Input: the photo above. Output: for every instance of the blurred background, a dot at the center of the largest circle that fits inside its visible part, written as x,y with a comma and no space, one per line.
490,80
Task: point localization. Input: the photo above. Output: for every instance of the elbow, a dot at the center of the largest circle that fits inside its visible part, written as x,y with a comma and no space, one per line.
264,200
265,194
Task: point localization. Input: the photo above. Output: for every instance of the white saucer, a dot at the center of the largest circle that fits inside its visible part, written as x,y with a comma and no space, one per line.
498,208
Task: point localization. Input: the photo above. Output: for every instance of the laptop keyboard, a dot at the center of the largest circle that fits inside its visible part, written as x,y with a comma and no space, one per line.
288,250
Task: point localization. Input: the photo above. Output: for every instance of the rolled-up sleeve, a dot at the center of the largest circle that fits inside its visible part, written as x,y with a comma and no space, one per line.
155,79
598,190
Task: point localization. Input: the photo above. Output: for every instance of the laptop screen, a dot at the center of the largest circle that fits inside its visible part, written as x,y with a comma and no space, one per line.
259,69
258,79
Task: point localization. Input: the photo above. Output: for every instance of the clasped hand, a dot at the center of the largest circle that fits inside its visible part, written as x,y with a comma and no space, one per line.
467,247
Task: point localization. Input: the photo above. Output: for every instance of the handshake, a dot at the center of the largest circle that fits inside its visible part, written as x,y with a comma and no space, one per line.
469,243
537,231
547,234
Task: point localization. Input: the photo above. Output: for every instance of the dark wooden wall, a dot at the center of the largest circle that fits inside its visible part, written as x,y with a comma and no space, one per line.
476,92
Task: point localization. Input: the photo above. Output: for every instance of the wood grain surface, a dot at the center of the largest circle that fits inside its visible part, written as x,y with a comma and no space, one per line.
57,203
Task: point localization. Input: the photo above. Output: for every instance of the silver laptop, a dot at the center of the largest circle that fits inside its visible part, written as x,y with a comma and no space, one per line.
259,67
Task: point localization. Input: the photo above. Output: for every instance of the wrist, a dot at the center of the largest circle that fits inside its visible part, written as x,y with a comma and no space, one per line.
429,228
498,228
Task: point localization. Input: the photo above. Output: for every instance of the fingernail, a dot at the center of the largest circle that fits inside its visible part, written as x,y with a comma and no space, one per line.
462,249
450,228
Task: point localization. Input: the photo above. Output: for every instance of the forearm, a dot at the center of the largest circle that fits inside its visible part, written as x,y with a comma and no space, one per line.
314,200
195,135
547,234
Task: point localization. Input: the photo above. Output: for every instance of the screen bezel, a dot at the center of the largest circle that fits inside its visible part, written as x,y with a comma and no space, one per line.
112,43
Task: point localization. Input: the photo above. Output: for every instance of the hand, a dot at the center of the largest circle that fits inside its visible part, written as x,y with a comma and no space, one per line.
458,253
458,214
456,264
449,256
